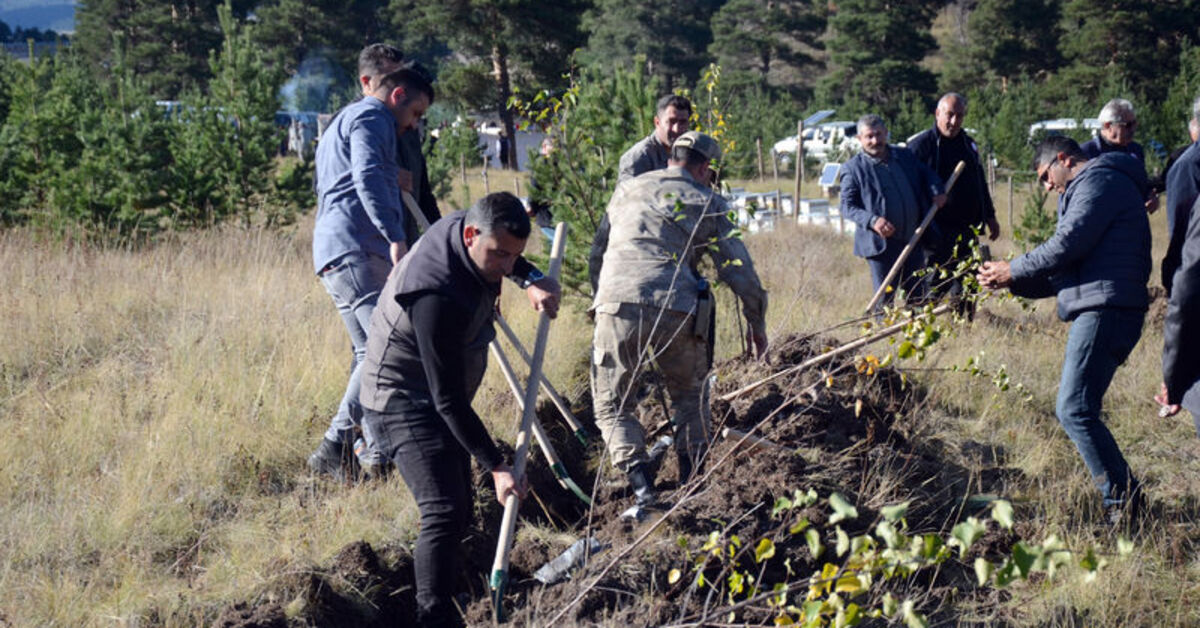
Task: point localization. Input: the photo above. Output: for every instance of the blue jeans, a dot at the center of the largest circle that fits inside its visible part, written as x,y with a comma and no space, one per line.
353,281
1098,342
881,264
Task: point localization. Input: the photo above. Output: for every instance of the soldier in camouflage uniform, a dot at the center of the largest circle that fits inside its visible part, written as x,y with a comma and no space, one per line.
652,303
651,153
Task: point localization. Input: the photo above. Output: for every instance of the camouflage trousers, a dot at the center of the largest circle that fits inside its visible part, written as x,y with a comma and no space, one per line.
627,337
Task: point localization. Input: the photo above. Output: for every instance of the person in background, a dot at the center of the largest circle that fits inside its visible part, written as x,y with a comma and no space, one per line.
359,236
886,191
968,207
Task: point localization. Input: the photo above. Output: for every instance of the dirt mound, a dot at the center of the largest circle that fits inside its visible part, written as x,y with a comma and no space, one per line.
847,427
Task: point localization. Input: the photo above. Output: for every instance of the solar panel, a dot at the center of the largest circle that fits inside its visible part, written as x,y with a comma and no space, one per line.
829,175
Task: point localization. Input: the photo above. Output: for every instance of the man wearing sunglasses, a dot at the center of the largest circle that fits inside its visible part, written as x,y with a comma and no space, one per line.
1098,264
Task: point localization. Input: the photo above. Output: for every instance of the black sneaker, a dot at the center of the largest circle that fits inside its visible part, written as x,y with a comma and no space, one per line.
335,460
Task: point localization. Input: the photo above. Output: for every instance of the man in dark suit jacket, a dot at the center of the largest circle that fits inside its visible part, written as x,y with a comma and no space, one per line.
886,192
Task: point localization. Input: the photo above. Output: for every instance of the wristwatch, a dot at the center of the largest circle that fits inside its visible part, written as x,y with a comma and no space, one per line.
533,277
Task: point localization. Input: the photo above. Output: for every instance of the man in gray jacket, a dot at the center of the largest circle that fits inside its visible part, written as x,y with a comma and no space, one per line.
652,302
1098,263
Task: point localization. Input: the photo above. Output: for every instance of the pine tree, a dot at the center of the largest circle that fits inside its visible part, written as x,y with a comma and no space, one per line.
1011,38
166,43
767,39
875,50
528,36
291,31
1136,44
673,36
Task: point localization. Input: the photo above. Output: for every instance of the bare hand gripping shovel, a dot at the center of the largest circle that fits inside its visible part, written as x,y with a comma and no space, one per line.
509,523
912,244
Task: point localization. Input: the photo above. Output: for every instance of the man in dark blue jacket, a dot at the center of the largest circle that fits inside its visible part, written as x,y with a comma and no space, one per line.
886,191
969,204
1181,331
1098,263
1183,188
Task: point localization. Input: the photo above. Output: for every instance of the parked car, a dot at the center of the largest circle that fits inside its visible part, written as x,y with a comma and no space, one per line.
1059,126
821,141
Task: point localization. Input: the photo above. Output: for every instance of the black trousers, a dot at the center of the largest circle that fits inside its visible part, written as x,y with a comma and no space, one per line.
437,471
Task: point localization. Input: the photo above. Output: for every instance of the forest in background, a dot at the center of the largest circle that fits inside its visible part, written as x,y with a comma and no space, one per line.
83,149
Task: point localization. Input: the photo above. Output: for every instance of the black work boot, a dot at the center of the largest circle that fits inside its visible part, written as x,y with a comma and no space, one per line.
333,459
642,483
688,466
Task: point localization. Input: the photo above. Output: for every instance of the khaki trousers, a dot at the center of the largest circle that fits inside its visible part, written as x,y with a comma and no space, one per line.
627,337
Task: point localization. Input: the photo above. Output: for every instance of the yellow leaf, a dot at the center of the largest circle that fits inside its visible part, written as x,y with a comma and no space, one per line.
857,408
673,576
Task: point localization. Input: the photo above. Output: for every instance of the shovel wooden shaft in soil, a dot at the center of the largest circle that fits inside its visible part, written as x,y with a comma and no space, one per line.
552,459
912,243
512,503
825,357
563,407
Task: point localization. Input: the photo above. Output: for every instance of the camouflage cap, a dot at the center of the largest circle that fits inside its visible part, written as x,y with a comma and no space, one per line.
701,143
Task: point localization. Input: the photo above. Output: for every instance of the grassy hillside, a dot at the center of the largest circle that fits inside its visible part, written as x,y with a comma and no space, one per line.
158,406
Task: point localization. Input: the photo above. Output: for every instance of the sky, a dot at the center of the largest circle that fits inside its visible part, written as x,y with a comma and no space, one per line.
43,14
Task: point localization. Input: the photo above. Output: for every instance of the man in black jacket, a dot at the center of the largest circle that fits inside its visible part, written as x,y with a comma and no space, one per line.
969,203
426,355
1181,331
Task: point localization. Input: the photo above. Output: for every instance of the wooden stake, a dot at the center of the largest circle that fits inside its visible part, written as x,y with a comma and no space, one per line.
799,159
912,243
758,148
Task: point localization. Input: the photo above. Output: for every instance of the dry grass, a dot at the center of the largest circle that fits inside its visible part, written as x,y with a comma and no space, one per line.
158,405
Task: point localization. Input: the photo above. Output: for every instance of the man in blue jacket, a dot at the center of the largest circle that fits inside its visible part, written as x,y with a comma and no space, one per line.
1183,188
886,191
359,233
1098,263
1181,332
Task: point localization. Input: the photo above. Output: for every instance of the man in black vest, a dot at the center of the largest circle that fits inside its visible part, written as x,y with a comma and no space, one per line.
426,355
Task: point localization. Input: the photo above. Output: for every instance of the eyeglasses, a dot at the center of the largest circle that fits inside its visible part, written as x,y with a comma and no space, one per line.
1125,125
1044,174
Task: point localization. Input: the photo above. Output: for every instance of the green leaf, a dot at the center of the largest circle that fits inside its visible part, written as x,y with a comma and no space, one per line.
912,618
983,570
842,509
1089,561
1002,513
1023,557
843,541
1124,546
906,350
896,512
886,531
764,550
889,605
799,526
781,504
814,542
966,533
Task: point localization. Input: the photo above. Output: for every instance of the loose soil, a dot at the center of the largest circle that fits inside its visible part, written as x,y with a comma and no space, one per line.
846,428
